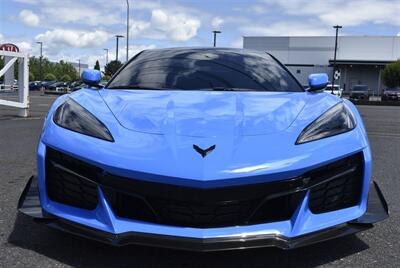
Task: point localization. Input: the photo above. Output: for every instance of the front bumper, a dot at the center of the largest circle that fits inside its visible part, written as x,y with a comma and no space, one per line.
377,210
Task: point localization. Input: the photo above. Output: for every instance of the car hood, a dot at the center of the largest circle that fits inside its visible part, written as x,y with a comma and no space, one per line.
204,113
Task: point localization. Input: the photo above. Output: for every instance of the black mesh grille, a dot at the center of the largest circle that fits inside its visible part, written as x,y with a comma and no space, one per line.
203,213
333,186
216,214
342,192
65,182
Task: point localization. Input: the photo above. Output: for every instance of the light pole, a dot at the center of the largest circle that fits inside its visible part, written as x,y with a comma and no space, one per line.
127,30
79,67
116,51
106,50
40,60
215,37
337,27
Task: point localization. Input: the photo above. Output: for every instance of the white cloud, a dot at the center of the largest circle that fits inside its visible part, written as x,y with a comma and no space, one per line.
29,18
347,13
90,58
133,50
70,38
30,2
238,43
75,11
81,14
138,26
217,22
176,27
165,25
284,28
258,9
24,46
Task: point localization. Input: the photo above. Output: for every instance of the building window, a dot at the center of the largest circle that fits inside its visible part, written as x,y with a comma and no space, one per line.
298,71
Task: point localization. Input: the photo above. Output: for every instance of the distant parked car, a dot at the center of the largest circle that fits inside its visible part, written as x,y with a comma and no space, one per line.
35,85
59,86
46,84
74,86
391,94
337,91
360,92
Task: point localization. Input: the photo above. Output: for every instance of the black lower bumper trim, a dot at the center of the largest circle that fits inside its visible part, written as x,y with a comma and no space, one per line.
29,204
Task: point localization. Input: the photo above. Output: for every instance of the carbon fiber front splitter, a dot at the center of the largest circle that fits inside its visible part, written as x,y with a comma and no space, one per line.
29,204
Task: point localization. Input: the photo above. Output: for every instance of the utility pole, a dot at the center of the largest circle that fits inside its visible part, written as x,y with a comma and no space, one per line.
79,67
106,50
337,27
215,37
127,30
116,51
40,60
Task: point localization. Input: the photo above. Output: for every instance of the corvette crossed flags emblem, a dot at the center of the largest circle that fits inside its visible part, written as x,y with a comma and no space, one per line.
204,152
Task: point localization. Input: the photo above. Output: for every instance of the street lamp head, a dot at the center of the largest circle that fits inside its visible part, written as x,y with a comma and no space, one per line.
338,26
216,32
38,42
119,36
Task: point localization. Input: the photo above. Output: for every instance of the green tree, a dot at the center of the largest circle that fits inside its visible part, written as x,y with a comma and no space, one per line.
106,77
64,68
112,67
49,77
59,69
97,65
66,78
31,77
391,74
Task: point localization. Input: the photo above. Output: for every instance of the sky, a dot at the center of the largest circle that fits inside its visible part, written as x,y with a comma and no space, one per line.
76,29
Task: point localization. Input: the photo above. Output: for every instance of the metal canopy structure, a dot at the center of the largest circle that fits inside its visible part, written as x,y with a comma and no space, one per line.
11,58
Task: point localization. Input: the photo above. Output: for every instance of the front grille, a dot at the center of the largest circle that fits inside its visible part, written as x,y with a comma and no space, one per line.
342,192
333,186
202,212
67,183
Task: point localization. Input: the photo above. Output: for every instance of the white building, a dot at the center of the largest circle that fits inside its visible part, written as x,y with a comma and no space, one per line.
79,67
360,59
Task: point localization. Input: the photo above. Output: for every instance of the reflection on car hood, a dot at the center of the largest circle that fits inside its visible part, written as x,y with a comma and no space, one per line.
204,113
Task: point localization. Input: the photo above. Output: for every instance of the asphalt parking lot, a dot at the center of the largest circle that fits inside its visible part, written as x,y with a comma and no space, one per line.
25,243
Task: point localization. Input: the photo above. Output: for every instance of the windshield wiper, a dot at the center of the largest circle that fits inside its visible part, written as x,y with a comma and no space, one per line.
229,89
138,87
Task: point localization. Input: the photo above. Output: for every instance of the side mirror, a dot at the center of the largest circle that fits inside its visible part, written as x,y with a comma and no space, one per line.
317,81
91,77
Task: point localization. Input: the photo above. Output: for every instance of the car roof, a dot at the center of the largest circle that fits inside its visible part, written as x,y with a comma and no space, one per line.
178,51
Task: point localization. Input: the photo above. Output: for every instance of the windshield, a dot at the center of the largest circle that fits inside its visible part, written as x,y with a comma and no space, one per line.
204,69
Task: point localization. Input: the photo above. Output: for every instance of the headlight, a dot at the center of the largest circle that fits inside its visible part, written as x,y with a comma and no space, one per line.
337,120
72,116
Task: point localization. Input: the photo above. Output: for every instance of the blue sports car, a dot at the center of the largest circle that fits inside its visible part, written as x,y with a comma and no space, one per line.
204,149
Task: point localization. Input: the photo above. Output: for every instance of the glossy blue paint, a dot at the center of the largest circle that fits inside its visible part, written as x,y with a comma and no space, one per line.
255,134
91,77
318,81
204,114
